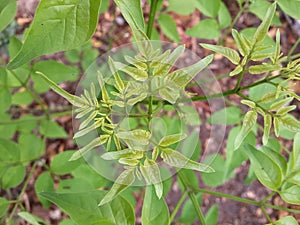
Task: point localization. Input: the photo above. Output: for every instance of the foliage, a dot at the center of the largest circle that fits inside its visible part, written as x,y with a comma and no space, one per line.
141,89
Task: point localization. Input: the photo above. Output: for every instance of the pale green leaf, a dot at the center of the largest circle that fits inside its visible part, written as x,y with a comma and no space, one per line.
137,74
125,179
141,136
169,27
267,128
290,123
176,159
32,219
57,26
4,204
206,29
183,76
224,16
229,115
151,174
263,28
229,53
119,83
241,42
248,123
181,7
8,9
155,211
279,104
125,153
291,195
171,139
266,170
238,69
209,8
283,111
263,68
287,220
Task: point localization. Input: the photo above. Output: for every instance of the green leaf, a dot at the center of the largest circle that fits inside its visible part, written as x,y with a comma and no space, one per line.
32,219
229,115
224,16
8,9
83,210
67,222
290,123
9,152
266,170
291,7
57,27
229,53
125,179
263,68
5,99
171,139
183,76
155,211
287,220
260,7
137,74
248,123
209,8
212,215
44,183
241,42
291,195
267,128
21,98
125,153
151,173
52,130
279,104
176,159
60,164
74,185
168,26
276,157
141,136
263,28
188,214
29,150
207,29
180,7
13,176
4,204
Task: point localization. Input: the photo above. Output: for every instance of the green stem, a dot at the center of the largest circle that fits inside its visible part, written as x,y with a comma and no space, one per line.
153,8
266,214
177,207
192,196
268,197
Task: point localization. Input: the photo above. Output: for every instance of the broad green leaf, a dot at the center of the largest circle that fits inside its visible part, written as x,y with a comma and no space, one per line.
83,210
230,115
9,152
267,128
260,7
241,42
209,8
8,9
60,164
277,158
140,136
171,139
125,179
155,211
266,170
248,123
67,222
44,183
74,185
290,123
263,28
104,6
5,99
206,29
183,76
32,219
4,204
181,7
287,220
52,130
291,195
21,98
168,26
176,159
224,16
229,53
263,68
212,215
291,7
13,176
32,147
151,173
57,27
188,214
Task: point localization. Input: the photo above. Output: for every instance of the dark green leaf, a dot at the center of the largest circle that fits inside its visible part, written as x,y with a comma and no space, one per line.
57,27
207,29
155,211
266,170
169,27
82,208
229,53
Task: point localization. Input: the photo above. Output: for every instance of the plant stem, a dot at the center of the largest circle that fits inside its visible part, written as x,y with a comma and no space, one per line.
192,196
153,8
177,207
